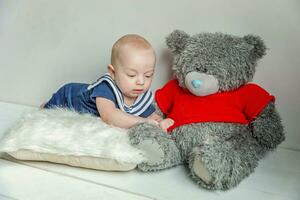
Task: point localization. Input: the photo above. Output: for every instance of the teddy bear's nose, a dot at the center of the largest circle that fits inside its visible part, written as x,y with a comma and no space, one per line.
196,83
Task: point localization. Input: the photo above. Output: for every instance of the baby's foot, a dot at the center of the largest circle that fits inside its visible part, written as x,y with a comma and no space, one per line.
42,106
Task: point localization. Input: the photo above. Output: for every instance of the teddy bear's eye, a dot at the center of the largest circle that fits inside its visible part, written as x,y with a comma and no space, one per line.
198,69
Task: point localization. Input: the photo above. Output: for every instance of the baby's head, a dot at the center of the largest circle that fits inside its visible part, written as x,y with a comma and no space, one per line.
132,65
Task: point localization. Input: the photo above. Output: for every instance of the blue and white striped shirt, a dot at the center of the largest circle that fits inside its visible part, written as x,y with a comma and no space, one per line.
106,87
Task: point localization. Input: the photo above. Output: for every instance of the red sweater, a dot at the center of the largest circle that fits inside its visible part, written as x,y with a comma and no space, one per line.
242,105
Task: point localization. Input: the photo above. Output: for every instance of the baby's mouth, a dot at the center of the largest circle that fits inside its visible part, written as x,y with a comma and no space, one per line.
138,90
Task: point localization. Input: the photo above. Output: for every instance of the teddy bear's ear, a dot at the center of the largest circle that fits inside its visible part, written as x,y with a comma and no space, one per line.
177,40
259,47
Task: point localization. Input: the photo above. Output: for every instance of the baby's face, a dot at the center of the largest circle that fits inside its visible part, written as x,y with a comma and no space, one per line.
134,72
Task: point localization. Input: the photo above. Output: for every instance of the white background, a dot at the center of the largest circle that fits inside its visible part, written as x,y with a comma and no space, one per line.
44,44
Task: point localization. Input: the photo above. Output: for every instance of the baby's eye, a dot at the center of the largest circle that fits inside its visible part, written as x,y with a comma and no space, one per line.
131,75
149,76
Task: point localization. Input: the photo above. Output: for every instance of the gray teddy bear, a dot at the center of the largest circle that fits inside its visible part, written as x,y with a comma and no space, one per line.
223,124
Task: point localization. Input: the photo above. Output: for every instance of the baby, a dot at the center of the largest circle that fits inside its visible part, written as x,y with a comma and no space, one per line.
121,97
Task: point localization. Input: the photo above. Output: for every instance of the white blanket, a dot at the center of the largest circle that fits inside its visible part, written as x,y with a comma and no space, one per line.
67,133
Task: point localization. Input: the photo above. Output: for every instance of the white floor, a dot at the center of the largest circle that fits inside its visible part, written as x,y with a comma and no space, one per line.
277,177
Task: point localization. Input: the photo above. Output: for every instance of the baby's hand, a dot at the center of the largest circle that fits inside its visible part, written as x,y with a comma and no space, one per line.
166,123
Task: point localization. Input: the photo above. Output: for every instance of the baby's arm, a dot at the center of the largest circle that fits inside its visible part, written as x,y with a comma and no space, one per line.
114,116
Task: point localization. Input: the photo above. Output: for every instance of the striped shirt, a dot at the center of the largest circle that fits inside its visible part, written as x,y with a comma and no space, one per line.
141,104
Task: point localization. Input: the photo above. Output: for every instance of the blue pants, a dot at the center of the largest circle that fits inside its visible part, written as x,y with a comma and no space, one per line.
68,96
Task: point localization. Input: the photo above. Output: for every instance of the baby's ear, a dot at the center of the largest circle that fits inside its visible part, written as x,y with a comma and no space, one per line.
259,47
176,41
111,71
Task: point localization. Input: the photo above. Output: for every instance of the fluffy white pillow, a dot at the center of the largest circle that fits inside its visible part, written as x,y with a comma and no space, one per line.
64,136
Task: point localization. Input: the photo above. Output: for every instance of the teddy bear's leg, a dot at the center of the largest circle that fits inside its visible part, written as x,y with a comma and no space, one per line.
199,168
220,170
220,155
161,151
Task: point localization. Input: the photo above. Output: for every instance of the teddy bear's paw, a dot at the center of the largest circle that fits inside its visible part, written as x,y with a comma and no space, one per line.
153,152
199,169
162,153
158,146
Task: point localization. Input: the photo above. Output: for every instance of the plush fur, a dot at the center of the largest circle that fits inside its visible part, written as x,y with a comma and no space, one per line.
67,133
218,155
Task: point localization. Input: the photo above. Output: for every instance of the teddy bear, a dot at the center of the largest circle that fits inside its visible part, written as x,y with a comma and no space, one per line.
223,124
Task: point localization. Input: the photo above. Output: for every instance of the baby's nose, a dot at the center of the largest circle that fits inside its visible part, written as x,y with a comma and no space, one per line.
196,83
140,80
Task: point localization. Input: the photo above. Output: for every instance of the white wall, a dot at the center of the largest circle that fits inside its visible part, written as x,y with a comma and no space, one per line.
44,44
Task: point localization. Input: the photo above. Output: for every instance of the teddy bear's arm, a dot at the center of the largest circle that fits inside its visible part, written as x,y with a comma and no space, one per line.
267,128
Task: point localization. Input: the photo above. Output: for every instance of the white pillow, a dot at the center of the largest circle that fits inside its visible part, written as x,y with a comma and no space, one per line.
66,137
